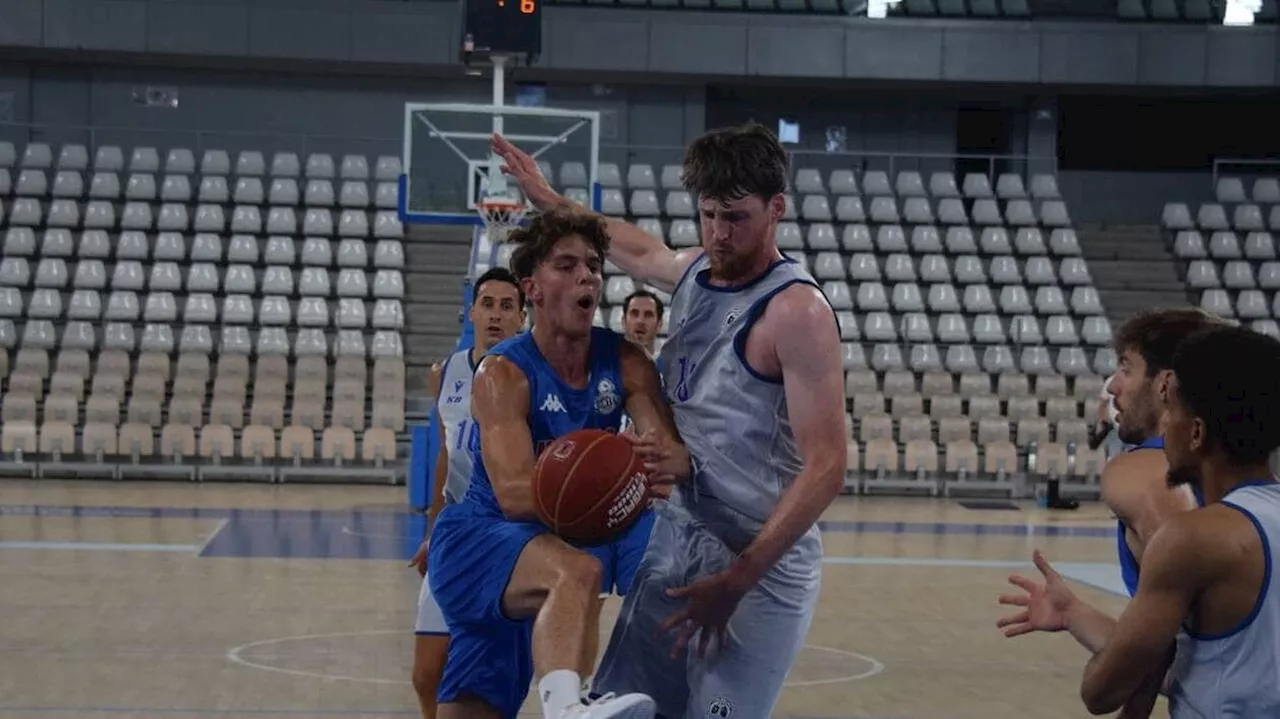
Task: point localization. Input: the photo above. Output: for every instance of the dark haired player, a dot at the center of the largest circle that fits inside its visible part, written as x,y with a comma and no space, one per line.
642,318
497,313
752,368
1207,586
493,567
1133,483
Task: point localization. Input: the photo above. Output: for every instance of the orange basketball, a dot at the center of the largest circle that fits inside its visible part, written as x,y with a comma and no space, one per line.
589,486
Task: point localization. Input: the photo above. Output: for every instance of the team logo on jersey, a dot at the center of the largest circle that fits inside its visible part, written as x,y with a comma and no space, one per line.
682,384
607,399
733,315
719,708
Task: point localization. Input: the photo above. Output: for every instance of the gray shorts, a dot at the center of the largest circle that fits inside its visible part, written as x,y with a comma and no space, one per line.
744,677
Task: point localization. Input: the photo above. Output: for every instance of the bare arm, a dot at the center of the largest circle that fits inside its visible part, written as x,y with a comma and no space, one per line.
441,470
645,403
1172,577
650,413
636,252
1134,487
500,406
807,344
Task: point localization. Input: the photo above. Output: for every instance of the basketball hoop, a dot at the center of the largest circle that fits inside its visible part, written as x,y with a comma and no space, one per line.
500,215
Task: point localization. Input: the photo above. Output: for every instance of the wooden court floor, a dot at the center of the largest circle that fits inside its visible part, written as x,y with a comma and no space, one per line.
172,600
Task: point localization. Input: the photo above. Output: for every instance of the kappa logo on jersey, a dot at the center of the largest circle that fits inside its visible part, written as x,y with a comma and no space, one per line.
607,399
552,403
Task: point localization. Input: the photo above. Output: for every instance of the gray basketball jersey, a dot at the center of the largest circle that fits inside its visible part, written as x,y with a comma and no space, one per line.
453,405
733,420
1237,674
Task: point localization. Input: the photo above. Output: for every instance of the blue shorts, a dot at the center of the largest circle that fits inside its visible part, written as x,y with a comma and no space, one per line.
470,561
621,558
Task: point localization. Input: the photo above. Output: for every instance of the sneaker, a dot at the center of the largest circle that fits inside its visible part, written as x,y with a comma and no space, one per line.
609,706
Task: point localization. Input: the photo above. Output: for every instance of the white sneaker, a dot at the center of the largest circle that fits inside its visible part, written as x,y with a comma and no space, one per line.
627,706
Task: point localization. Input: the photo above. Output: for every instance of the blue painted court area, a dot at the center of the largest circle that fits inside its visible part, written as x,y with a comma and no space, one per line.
385,534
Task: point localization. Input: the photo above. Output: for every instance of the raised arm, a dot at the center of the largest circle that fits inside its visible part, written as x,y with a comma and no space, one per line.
807,343
636,252
500,407
1172,577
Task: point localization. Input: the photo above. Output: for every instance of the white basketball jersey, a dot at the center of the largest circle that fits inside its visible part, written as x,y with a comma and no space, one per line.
1238,674
453,405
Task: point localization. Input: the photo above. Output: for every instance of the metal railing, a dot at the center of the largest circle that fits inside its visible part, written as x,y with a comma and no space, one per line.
990,164
1244,167
165,139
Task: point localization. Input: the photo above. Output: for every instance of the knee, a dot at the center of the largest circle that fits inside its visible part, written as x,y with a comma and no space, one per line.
580,571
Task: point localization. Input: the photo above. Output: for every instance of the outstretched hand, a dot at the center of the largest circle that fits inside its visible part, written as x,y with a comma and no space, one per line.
712,601
1046,605
521,167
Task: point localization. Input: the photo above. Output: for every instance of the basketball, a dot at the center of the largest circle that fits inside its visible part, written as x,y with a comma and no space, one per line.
589,486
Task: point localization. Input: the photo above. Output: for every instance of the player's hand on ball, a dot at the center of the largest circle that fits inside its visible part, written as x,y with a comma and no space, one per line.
524,170
666,463
1046,606
419,560
712,600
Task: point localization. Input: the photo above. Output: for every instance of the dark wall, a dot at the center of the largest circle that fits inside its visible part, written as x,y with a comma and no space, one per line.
270,111
284,111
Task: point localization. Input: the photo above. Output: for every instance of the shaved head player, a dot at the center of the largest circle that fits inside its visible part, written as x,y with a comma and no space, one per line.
752,368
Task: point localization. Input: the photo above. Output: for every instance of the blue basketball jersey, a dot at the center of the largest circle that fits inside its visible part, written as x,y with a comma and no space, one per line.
555,408
1128,562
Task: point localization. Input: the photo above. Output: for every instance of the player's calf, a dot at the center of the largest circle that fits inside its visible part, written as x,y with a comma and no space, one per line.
429,652
560,586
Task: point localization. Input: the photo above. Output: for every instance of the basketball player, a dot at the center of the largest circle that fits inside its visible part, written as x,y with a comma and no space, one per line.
494,567
1207,572
641,318
1133,483
497,312
753,370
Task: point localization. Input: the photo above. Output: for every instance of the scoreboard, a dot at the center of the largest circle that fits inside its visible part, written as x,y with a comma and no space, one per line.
502,27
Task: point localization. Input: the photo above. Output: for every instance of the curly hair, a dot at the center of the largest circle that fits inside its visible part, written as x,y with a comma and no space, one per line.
736,162
1227,379
534,241
1156,333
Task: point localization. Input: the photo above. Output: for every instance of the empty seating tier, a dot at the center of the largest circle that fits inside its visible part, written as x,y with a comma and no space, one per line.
172,314
972,331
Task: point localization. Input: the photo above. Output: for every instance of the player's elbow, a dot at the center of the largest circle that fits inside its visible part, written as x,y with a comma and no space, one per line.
516,503
1097,697
829,473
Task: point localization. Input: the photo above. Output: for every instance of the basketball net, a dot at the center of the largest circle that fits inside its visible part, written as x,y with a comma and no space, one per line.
500,215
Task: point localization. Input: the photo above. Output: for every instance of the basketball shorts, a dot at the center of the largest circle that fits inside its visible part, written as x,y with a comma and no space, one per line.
744,677
470,561
430,620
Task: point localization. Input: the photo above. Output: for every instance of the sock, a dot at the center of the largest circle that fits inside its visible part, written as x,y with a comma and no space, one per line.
559,690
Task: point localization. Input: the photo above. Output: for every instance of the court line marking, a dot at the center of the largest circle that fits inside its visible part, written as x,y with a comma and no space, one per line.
99,546
234,655
876,667
222,524
357,533
170,711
